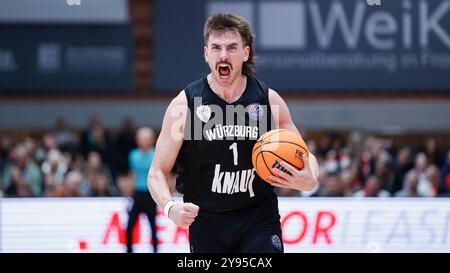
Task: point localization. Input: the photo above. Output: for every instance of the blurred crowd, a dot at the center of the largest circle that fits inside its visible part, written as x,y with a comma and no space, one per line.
66,163
369,166
93,162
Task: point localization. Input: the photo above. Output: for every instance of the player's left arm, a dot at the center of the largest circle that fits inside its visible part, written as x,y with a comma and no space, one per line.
305,179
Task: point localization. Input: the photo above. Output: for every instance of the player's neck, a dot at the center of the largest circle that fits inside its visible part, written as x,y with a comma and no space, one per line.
229,93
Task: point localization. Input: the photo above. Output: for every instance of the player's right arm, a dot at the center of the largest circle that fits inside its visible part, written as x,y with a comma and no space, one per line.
167,147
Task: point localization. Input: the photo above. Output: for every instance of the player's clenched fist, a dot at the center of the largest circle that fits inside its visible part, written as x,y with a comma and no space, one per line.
183,214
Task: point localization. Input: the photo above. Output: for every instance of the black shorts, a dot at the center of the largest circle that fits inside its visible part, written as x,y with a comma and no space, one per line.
252,229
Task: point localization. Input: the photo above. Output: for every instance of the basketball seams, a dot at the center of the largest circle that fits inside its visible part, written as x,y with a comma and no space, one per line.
265,163
254,146
283,141
283,159
255,165
261,141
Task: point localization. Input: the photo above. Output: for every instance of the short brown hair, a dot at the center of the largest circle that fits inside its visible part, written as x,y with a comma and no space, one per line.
223,22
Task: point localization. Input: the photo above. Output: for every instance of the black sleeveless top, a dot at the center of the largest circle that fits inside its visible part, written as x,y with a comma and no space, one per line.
214,164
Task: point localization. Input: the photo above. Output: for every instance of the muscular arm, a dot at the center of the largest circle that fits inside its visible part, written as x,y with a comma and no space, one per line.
280,113
167,147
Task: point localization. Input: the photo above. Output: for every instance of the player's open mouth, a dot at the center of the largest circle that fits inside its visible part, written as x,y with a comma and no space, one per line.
224,70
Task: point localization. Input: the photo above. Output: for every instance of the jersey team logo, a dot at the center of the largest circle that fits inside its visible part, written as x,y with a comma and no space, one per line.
255,111
203,112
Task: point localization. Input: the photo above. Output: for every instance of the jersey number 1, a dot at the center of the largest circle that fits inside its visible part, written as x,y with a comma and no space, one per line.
235,153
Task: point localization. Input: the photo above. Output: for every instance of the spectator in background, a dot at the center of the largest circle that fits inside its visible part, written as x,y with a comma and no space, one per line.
349,182
102,146
22,176
372,188
18,186
54,169
125,185
434,154
374,149
99,142
368,158
421,163
329,185
140,160
444,183
87,136
384,170
77,163
57,190
48,143
5,148
338,157
66,139
428,184
31,147
404,164
102,187
334,186
124,143
411,180
325,144
94,167
72,185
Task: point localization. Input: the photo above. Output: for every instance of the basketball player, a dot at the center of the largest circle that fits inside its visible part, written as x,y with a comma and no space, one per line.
227,207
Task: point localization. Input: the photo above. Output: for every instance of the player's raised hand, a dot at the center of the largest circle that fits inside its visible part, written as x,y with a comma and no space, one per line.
183,214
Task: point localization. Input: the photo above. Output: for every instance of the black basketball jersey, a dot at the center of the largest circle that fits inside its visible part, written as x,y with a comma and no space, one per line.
214,164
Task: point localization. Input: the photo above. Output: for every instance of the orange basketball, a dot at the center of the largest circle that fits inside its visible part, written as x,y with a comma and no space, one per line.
276,146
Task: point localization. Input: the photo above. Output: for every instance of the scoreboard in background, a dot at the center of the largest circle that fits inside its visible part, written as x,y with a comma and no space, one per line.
341,45
308,224
49,45
63,58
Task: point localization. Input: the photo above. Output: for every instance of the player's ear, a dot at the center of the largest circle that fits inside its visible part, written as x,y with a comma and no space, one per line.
205,53
246,53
